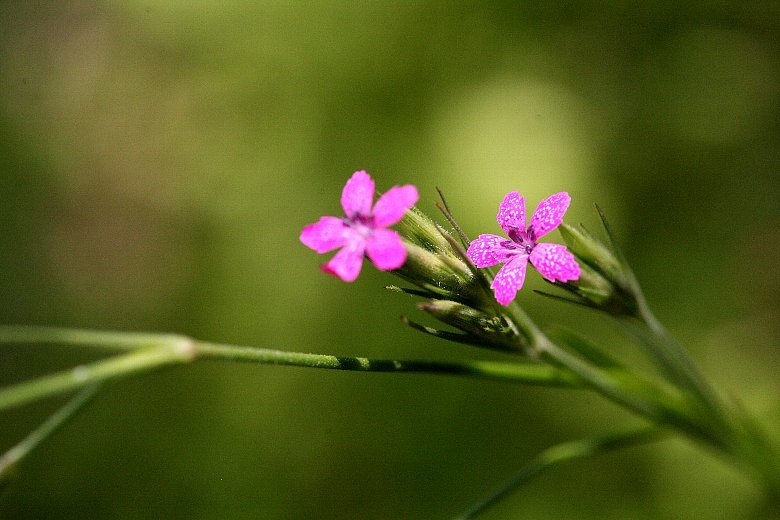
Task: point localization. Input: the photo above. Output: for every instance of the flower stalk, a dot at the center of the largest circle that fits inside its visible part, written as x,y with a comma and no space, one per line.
459,290
12,457
604,282
157,351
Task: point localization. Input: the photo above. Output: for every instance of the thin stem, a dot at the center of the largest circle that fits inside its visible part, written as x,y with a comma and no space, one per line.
525,373
563,453
660,404
163,350
152,351
599,379
136,362
665,351
671,357
738,437
678,359
12,457
109,340
166,350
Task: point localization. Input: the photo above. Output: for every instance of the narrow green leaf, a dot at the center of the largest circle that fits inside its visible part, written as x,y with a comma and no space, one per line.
411,292
466,339
584,348
564,299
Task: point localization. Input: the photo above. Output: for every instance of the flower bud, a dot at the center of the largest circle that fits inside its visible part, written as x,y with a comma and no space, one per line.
592,252
603,281
492,331
596,291
417,228
592,286
440,274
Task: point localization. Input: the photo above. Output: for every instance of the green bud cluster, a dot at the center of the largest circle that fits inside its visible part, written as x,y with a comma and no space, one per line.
456,293
434,264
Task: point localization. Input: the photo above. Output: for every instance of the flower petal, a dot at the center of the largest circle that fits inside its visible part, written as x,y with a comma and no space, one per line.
511,212
386,249
509,279
326,235
347,262
549,214
555,262
486,250
392,205
358,194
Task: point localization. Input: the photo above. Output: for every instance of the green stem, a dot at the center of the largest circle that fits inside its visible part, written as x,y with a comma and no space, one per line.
565,452
141,353
167,350
153,351
660,404
11,458
596,378
108,340
665,351
737,435
676,360
526,373
136,362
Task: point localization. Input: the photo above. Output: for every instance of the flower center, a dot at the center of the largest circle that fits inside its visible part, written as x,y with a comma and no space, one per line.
363,224
358,218
522,241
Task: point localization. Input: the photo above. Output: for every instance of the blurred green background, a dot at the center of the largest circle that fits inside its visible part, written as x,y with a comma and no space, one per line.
158,160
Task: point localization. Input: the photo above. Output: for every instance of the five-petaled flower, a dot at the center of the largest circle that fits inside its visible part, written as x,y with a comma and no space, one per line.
552,261
363,230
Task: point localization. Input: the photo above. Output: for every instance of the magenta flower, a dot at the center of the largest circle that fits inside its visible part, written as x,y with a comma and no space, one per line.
552,261
363,230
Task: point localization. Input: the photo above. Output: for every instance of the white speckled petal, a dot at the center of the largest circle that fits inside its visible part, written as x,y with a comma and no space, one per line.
486,250
511,212
510,279
549,214
358,194
555,262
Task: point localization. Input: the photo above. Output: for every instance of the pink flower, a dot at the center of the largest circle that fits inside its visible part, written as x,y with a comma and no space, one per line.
552,261
362,231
